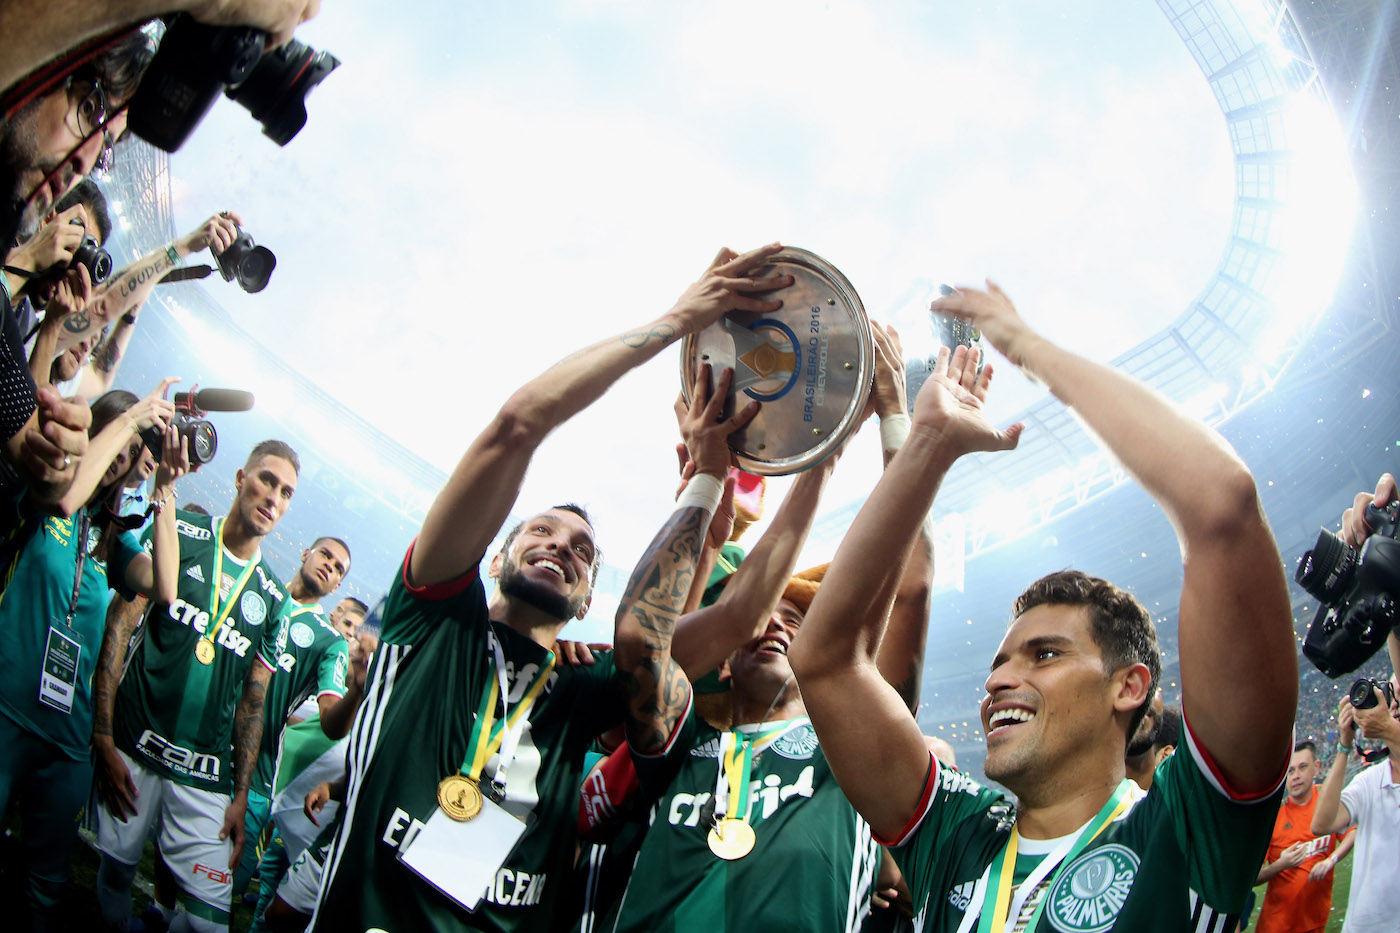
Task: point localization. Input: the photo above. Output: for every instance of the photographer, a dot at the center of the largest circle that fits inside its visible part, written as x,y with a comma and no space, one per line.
1371,803
1355,531
53,611
117,302
39,30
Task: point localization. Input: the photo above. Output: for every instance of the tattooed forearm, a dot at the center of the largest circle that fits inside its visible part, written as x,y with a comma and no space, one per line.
664,333
133,278
248,726
657,690
122,617
77,323
105,357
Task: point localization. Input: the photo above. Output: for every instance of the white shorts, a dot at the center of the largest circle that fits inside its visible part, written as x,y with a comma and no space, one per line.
187,822
303,882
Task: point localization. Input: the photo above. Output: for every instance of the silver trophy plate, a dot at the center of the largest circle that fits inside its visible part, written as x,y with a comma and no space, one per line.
810,363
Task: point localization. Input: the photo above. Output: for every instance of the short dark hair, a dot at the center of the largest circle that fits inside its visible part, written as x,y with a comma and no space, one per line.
91,197
360,607
1306,746
119,66
1119,624
338,541
582,513
196,507
1169,727
275,448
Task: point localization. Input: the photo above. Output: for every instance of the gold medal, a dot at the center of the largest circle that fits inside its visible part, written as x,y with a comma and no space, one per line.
732,839
204,651
460,797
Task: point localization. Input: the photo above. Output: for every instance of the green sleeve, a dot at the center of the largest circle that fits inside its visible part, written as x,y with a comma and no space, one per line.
125,549
949,800
656,772
411,613
1223,835
274,640
335,663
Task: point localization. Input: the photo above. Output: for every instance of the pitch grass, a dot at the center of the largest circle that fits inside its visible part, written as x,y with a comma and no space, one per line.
1341,889
80,899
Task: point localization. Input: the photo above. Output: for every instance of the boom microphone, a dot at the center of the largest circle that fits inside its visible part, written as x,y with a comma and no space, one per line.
202,400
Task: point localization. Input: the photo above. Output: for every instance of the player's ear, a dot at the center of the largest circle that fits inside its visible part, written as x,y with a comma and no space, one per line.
493,570
584,611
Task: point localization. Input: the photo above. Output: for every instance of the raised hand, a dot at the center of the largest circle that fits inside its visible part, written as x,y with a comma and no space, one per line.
705,430
1355,531
726,286
889,395
992,312
215,234
950,404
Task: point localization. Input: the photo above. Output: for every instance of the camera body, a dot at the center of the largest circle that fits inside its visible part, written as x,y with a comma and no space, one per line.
1357,590
199,436
1362,693
246,262
196,61
91,254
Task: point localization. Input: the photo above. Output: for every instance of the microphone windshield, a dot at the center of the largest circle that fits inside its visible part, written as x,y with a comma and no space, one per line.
215,400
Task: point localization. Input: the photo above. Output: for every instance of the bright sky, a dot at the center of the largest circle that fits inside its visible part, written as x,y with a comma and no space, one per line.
483,188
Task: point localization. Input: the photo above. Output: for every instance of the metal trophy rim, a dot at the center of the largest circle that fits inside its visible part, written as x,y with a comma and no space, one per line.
849,422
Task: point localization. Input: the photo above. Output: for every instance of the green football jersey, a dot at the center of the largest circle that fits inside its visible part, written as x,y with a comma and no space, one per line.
813,863
314,660
434,664
174,714
1183,858
38,588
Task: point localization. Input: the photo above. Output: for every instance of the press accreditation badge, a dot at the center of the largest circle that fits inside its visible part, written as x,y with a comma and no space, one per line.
59,679
461,859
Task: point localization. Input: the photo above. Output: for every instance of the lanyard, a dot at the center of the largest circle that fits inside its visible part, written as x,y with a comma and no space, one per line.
218,577
736,756
490,733
1004,909
84,525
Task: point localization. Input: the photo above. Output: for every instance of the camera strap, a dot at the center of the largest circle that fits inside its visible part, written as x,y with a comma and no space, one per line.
46,77
185,273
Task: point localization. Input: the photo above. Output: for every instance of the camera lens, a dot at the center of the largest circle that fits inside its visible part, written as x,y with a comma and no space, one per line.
97,260
203,442
1362,696
1325,571
255,269
275,93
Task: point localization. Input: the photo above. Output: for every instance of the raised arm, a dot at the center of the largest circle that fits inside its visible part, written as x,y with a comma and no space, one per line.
159,575
482,489
151,411
38,30
657,690
705,637
1331,815
858,716
1234,591
128,288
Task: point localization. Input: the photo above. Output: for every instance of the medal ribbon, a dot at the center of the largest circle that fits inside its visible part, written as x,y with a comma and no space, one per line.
736,766
488,732
1003,913
218,578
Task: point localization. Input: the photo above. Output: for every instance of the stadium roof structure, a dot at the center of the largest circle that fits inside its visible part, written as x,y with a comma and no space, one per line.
1288,237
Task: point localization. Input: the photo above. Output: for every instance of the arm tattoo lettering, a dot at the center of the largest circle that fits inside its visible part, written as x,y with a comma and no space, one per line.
657,688
134,278
122,619
665,333
248,726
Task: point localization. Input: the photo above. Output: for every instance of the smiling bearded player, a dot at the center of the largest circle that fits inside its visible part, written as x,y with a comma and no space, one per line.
1084,849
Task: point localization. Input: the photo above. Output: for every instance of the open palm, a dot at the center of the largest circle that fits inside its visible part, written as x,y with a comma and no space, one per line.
951,403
